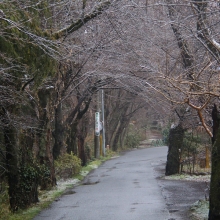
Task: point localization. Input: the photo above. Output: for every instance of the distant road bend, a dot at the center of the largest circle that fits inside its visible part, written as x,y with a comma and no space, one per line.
124,188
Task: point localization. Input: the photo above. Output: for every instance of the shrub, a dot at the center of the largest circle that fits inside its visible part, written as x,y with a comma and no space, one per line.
132,140
67,165
44,176
157,143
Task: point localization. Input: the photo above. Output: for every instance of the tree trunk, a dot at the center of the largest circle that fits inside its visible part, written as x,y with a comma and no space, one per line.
119,132
12,167
58,132
113,142
114,126
48,178
71,140
22,182
175,144
3,173
82,131
22,174
81,149
214,203
123,134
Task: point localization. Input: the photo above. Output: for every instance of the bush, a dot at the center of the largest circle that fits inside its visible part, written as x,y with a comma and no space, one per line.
157,143
109,153
67,165
44,176
132,140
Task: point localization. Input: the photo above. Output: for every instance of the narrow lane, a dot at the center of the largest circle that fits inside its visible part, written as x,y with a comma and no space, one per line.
124,188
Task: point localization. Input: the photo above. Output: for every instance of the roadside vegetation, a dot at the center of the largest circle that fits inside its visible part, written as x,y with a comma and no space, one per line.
69,173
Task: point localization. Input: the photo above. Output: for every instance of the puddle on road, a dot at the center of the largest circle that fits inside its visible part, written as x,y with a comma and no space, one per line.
112,168
91,183
104,175
174,210
132,209
69,192
140,203
94,175
72,206
119,163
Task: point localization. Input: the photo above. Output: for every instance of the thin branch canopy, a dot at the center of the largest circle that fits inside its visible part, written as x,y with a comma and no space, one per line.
80,22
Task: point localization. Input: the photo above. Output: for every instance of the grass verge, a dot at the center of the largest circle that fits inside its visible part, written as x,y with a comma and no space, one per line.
200,210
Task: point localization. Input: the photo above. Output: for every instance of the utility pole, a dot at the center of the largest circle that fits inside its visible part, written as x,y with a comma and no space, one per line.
103,123
99,139
97,127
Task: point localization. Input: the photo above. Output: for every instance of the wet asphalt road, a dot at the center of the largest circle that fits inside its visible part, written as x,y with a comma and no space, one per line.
124,188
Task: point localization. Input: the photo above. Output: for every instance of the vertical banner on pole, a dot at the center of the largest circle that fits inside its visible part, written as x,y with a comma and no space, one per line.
97,123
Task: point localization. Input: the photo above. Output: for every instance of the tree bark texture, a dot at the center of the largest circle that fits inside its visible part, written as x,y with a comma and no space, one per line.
58,134
117,139
22,182
82,131
45,139
214,203
71,140
22,175
12,167
115,126
175,143
81,149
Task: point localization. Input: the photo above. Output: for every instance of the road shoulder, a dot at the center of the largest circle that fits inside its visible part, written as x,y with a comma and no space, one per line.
185,197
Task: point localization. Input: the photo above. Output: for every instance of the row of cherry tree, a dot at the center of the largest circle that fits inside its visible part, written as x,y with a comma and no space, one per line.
51,68
56,55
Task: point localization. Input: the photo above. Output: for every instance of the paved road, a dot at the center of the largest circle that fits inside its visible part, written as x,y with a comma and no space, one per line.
124,188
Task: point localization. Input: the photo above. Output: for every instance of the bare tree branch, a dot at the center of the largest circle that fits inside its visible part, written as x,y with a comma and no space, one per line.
80,22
